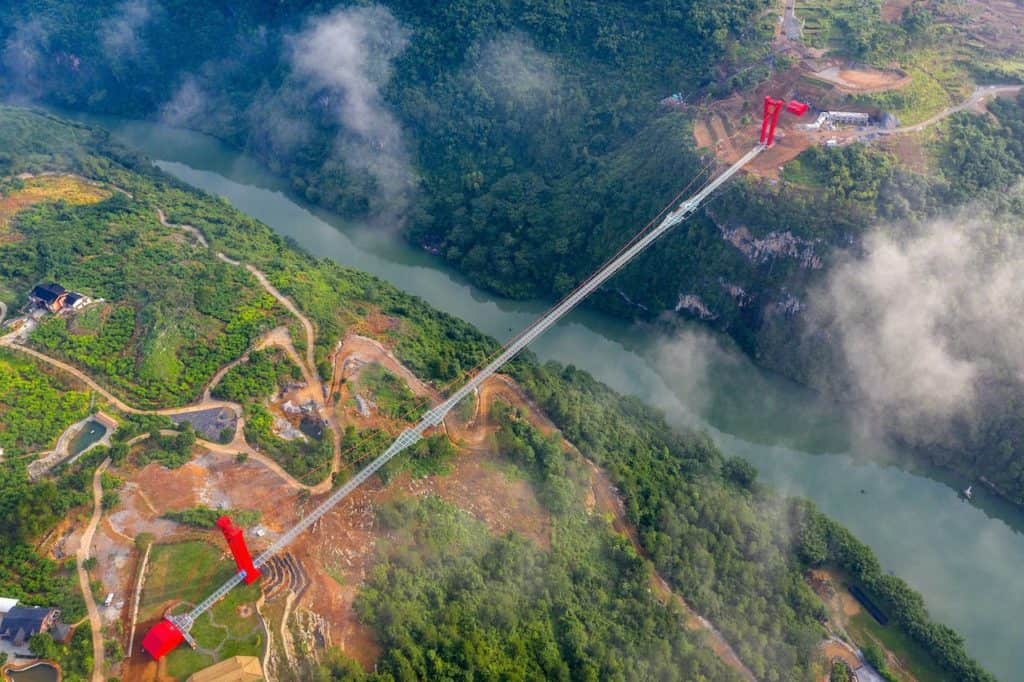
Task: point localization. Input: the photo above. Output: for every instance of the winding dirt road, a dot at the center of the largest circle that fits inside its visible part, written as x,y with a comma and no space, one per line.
10,342
194,231
95,622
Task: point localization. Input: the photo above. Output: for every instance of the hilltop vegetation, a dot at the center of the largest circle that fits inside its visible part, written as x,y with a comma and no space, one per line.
36,405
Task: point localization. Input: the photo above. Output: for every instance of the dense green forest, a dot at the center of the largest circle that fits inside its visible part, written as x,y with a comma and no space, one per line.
710,528
582,610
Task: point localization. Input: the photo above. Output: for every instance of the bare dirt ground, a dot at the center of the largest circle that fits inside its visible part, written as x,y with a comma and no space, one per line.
833,649
366,350
861,80
702,135
83,553
742,116
910,150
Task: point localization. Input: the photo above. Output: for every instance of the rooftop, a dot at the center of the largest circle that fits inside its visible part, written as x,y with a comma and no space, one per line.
27,619
234,669
47,293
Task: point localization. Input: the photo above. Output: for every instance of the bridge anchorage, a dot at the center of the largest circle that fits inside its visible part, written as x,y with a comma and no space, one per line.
170,632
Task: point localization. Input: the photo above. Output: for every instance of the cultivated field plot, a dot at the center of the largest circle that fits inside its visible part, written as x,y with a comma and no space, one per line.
70,189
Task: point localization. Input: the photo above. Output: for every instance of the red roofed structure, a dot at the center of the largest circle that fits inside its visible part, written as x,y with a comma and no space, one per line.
162,638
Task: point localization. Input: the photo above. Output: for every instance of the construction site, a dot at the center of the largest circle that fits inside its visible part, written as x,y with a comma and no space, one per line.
853,93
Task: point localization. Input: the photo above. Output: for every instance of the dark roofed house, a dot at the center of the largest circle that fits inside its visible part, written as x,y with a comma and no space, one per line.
74,300
21,622
50,296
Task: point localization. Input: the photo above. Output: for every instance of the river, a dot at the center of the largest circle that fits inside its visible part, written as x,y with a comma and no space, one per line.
963,557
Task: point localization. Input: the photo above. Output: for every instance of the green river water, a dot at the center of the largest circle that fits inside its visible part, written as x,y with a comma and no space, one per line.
964,557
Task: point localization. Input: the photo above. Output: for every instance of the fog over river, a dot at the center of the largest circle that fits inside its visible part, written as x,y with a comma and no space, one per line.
964,557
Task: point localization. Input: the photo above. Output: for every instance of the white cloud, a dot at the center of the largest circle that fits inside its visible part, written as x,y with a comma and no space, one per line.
23,57
187,105
345,58
923,319
510,67
119,33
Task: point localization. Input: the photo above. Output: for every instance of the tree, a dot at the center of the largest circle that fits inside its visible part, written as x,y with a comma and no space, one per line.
42,645
740,471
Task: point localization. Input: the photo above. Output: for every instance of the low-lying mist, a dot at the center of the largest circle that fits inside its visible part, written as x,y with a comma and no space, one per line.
924,318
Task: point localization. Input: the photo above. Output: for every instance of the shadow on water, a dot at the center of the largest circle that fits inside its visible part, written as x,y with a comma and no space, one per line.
963,556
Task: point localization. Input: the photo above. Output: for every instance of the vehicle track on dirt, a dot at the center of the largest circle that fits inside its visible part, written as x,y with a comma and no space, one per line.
95,622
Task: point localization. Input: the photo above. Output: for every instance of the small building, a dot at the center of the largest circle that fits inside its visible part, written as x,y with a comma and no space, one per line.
75,300
50,296
22,622
234,669
854,118
6,603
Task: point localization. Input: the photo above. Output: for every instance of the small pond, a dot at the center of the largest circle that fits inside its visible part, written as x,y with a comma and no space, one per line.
41,672
86,436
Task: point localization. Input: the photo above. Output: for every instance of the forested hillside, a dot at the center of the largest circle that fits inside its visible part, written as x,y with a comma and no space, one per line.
523,143
731,547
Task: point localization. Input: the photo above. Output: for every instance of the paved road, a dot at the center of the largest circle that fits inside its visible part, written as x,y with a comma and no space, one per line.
980,94
792,27
83,577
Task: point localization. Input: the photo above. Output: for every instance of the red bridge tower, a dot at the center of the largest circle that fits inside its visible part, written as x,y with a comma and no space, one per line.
236,541
772,109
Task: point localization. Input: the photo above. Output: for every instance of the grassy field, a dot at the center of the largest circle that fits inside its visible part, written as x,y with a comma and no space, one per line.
183,661
183,571
920,99
188,572
863,628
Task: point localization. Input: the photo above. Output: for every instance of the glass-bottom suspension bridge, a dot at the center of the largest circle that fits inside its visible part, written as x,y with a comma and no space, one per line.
175,629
